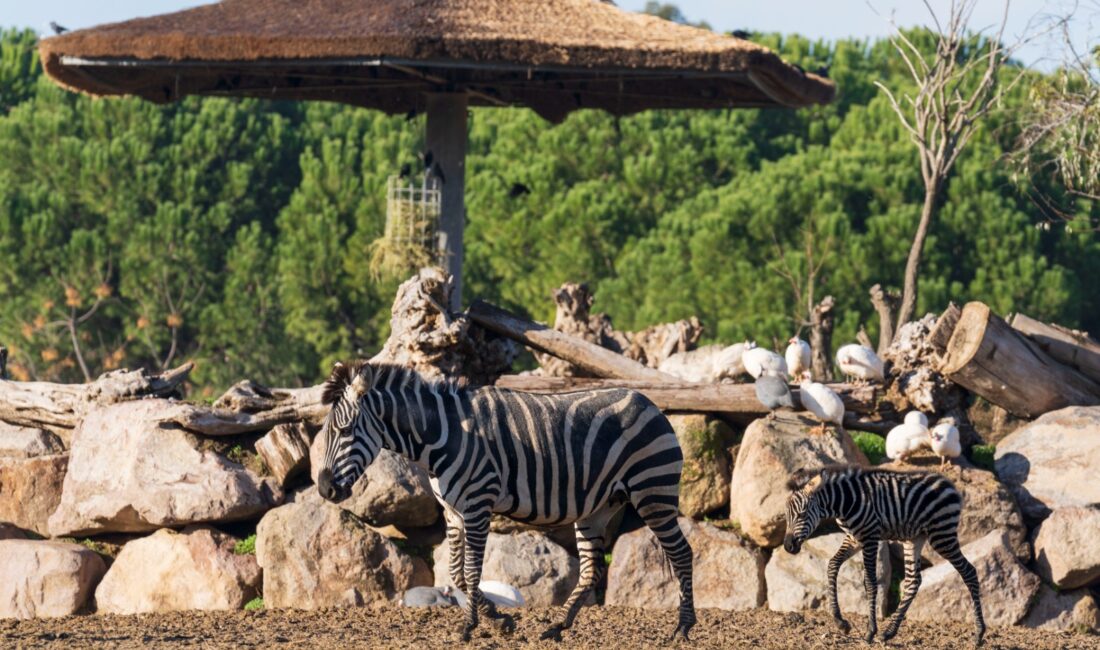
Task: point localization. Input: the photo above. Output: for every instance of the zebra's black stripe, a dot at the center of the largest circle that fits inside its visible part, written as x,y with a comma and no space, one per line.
576,459
872,506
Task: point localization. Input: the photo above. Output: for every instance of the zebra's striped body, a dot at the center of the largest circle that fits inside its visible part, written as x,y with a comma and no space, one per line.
873,506
541,459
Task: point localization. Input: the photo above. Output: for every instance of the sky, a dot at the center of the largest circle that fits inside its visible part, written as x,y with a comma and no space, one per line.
830,19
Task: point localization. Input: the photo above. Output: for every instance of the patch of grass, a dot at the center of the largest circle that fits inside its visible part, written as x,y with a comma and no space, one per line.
108,550
872,446
246,546
982,456
236,454
607,559
254,605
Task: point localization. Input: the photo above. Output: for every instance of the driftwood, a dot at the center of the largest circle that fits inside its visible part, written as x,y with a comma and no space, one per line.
944,328
248,407
60,407
285,451
886,305
989,358
657,343
1075,349
588,356
821,339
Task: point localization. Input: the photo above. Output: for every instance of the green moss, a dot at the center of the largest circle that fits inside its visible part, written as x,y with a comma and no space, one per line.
872,446
982,456
236,454
254,605
246,546
607,559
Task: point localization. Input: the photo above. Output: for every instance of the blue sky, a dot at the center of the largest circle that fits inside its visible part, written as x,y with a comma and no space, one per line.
829,19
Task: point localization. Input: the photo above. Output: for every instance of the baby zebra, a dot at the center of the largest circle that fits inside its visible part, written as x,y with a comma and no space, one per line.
546,460
873,505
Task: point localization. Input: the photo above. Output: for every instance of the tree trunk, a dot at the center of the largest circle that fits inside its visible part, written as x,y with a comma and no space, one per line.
3,362
885,304
912,265
1075,349
944,328
821,339
988,357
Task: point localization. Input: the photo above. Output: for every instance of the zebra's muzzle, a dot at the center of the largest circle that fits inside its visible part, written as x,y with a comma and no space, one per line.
329,490
791,545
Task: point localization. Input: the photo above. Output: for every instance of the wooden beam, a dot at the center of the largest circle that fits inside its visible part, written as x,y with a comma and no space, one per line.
1075,349
447,140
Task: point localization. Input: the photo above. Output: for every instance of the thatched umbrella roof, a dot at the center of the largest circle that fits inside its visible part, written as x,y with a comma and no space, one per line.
552,55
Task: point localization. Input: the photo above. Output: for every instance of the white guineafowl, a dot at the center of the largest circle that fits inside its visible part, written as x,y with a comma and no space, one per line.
905,439
821,401
798,356
760,360
945,440
860,362
917,418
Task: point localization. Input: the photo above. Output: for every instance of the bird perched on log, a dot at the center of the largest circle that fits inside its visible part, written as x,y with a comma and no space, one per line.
773,392
860,362
58,29
908,437
822,402
798,356
760,360
945,440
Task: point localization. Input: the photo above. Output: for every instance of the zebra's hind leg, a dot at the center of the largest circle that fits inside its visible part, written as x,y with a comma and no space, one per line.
908,588
591,542
947,545
658,507
847,549
870,584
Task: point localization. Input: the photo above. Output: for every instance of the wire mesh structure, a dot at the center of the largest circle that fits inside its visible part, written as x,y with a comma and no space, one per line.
411,239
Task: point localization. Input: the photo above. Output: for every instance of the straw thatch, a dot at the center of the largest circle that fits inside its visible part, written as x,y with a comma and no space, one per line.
553,55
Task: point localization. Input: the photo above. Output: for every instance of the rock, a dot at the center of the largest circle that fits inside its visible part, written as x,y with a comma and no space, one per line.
27,442
1051,463
1071,611
705,481
129,472
728,571
543,572
1067,547
285,451
30,490
315,555
170,571
769,453
46,578
1007,587
563,536
392,491
798,582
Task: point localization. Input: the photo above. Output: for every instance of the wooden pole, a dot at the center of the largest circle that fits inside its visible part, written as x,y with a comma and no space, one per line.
447,140
3,362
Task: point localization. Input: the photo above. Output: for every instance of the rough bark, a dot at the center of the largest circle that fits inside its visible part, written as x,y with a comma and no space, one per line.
991,359
656,343
944,328
821,339
247,407
1074,348
885,304
60,407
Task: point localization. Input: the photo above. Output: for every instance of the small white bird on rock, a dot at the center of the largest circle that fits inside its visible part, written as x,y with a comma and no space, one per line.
905,439
821,401
917,418
760,360
945,440
798,356
860,362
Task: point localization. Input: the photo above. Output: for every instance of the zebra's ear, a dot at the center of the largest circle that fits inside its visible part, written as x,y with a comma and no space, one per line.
334,387
363,380
800,479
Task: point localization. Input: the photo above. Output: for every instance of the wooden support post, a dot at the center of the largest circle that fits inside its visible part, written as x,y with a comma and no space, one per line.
446,140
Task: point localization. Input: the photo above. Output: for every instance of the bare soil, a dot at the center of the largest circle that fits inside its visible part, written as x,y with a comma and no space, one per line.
600,628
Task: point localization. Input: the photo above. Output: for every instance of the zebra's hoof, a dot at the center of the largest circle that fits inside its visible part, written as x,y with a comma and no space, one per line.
870,638
681,633
978,637
844,626
505,623
552,634
467,632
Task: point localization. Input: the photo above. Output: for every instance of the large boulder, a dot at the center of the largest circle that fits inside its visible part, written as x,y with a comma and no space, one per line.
30,490
131,471
728,570
27,442
1051,463
1007,587
770,452
46,578
314,554
798,582
392,491
168,571
540,569
1071,611
705,481
1067,547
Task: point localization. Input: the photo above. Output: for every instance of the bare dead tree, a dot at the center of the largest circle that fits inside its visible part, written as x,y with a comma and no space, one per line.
885,304
802,275
956,87
821,339
3,362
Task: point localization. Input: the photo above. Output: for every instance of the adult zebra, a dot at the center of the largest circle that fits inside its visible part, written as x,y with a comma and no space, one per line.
541,459
876,505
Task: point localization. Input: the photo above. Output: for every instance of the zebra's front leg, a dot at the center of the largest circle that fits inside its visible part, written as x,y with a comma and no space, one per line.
908,588
847,549
870,585
456,541
476,533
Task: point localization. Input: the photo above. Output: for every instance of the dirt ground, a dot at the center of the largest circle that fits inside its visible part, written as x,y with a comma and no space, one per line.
598,627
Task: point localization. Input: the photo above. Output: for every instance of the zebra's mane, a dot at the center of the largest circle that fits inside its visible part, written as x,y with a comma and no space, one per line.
383,373
802,477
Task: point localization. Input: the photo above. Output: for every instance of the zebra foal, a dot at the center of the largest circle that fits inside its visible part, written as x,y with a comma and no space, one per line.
546,460
872,506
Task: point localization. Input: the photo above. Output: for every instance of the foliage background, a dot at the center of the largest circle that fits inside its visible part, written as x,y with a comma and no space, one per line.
235,233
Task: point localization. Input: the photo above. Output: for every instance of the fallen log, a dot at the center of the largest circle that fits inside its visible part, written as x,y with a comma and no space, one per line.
1075,349
944,328
682,396
988,357
588,356
248,407
60,407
